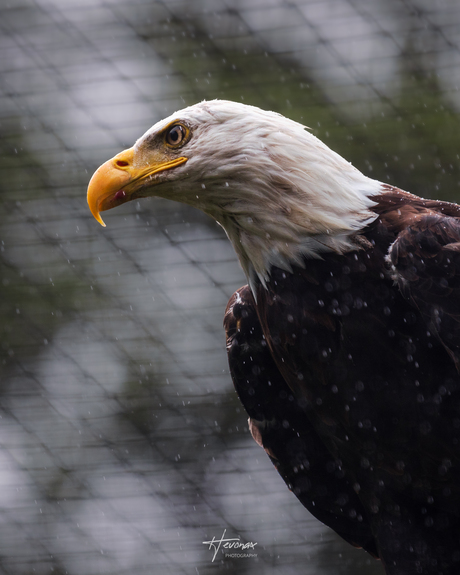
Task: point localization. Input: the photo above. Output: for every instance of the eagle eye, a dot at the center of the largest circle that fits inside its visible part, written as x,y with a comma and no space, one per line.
176,135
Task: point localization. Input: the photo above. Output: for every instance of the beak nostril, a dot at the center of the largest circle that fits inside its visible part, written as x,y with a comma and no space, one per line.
121,163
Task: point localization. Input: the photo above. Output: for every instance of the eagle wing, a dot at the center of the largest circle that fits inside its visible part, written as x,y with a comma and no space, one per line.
425,260
280,425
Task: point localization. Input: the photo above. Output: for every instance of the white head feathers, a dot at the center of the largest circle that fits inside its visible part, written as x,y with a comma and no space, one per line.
278,191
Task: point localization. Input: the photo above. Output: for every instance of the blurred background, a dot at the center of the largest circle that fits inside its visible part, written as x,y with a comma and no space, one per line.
122,443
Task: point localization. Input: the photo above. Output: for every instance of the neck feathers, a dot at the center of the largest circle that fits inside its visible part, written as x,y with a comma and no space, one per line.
279,192
297,201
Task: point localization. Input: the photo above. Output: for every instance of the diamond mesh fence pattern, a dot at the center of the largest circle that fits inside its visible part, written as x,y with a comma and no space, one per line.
123,446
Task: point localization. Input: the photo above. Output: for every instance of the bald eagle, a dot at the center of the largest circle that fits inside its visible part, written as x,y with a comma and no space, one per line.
344,345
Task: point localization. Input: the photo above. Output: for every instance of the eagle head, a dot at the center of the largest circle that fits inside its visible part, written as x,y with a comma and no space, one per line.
280,193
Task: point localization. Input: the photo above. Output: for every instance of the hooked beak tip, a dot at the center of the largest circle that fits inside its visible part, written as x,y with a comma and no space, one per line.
100,220
107,182
94,208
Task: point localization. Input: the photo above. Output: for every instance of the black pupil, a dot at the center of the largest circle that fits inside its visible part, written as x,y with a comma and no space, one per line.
175,135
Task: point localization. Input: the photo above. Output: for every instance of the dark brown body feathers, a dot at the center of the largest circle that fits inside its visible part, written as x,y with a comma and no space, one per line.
348,371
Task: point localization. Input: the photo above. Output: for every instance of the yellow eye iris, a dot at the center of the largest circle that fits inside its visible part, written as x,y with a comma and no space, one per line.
175,135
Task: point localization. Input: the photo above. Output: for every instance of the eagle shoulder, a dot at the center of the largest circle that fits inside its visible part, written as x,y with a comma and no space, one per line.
425,264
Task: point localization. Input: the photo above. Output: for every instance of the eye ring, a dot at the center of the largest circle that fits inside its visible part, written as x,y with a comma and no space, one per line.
176,135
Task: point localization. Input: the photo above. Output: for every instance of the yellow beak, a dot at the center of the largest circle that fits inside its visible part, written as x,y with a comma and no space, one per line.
115,182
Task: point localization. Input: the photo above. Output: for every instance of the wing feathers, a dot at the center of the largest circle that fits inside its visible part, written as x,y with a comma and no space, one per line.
279,424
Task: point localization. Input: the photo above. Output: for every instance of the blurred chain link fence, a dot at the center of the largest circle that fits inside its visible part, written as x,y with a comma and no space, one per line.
122,444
